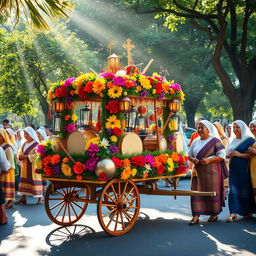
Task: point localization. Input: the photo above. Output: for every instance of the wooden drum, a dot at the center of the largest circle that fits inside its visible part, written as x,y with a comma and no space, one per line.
131,143
150,143
76,141
178,144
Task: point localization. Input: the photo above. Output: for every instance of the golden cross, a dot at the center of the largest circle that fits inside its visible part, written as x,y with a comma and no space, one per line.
129,48
110,45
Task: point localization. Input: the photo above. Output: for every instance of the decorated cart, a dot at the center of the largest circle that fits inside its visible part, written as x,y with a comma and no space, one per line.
117,135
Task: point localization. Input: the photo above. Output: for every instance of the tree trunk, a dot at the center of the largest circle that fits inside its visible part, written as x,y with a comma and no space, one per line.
190,109
45,109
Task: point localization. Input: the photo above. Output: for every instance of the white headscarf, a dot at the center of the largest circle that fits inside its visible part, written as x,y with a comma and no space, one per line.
32,133
252,122
245,131
211,128
226,130
43,133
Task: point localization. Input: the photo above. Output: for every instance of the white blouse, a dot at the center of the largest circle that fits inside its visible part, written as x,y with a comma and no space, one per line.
198,144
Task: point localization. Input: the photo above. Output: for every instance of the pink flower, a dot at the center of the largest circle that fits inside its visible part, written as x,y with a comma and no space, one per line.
175,86
40,150
70,128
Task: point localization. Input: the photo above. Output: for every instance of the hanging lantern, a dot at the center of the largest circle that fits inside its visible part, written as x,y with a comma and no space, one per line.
141,123
174,106
58,106
132,119
85,117
57,123
174,123
125,105
159,111
113,63
152,118
142,110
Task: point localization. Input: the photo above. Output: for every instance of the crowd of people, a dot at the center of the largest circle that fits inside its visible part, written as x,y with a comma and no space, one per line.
17,165
216,156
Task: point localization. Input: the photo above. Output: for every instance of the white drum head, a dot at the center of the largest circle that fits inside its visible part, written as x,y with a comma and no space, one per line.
179,142
163,143
131,143
76,143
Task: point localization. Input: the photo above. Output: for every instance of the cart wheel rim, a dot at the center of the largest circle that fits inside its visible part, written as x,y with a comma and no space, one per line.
118,214
64,207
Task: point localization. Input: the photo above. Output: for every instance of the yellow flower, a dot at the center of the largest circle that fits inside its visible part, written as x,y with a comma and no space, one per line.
50,95
113,139
166,87
94,140
145,82
154,91
115,92
99,85
80,79
134,171
172,125
74,117
66,170
125,93
133,78
155,74
171,164
112,122
182,95
126,173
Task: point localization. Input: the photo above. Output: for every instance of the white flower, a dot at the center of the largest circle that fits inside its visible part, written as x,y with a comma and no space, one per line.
148,167
104,143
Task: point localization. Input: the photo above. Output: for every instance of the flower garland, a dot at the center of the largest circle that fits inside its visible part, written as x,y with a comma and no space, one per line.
148,164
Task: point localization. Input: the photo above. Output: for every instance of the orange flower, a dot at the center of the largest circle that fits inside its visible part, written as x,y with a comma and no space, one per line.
67,117
65,160
79,177
163,158
175,157
79,168
72,92
158,161
98,86
171,91
126,174
127,162
139,88
110,85
55,159
145,175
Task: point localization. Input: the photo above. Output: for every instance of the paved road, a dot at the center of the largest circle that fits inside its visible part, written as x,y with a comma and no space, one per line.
162,229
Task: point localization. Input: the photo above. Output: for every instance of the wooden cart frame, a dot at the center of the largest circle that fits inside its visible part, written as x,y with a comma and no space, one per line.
118,201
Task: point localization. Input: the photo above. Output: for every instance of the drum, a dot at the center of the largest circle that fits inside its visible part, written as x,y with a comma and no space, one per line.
131,143
150,143
56,141
76,141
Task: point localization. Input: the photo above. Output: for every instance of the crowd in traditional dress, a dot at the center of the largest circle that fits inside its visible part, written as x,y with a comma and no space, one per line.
216,156
17,165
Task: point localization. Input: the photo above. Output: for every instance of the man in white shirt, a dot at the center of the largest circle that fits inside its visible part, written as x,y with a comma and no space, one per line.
4,167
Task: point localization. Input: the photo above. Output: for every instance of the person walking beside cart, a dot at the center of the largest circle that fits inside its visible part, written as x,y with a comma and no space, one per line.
8,179
240,199
207,153
30,182
4,167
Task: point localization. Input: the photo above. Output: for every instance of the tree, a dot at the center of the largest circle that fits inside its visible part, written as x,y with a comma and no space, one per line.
30,62
35,11
229,24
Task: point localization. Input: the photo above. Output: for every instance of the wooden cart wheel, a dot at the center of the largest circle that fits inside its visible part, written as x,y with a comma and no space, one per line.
67,205
118,214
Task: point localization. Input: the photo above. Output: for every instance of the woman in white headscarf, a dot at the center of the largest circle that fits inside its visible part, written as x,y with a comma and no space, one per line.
240,199
30,182
252,150
41,134
207,153
228,130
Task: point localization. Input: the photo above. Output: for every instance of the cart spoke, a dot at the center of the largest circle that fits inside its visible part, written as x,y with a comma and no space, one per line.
111,219
112,199
77,205
116,220
56,215
125,186
108,213
128,193
56,205
73,210
69,214
131,200
114,191
64,213
127,216
57,192
122,220
51,199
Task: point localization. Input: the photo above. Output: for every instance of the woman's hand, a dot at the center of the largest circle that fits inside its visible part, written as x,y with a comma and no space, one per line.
230,155
236,153
22,156
252,150
205,161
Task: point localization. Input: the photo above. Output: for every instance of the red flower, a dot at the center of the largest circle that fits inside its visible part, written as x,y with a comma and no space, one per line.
48,170
79,168
88,87
180,170
98,126
160,169
138,161
159,88
61,91
151,80
81,93
103,176
113,106
117,131
129,84
79,177
117,161
47,160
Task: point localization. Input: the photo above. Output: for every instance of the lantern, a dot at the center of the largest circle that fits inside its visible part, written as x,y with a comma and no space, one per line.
174,106
132,119
85,117
152,118
58,106
113,63
141,123
57,123
174,123
142,110
125,105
